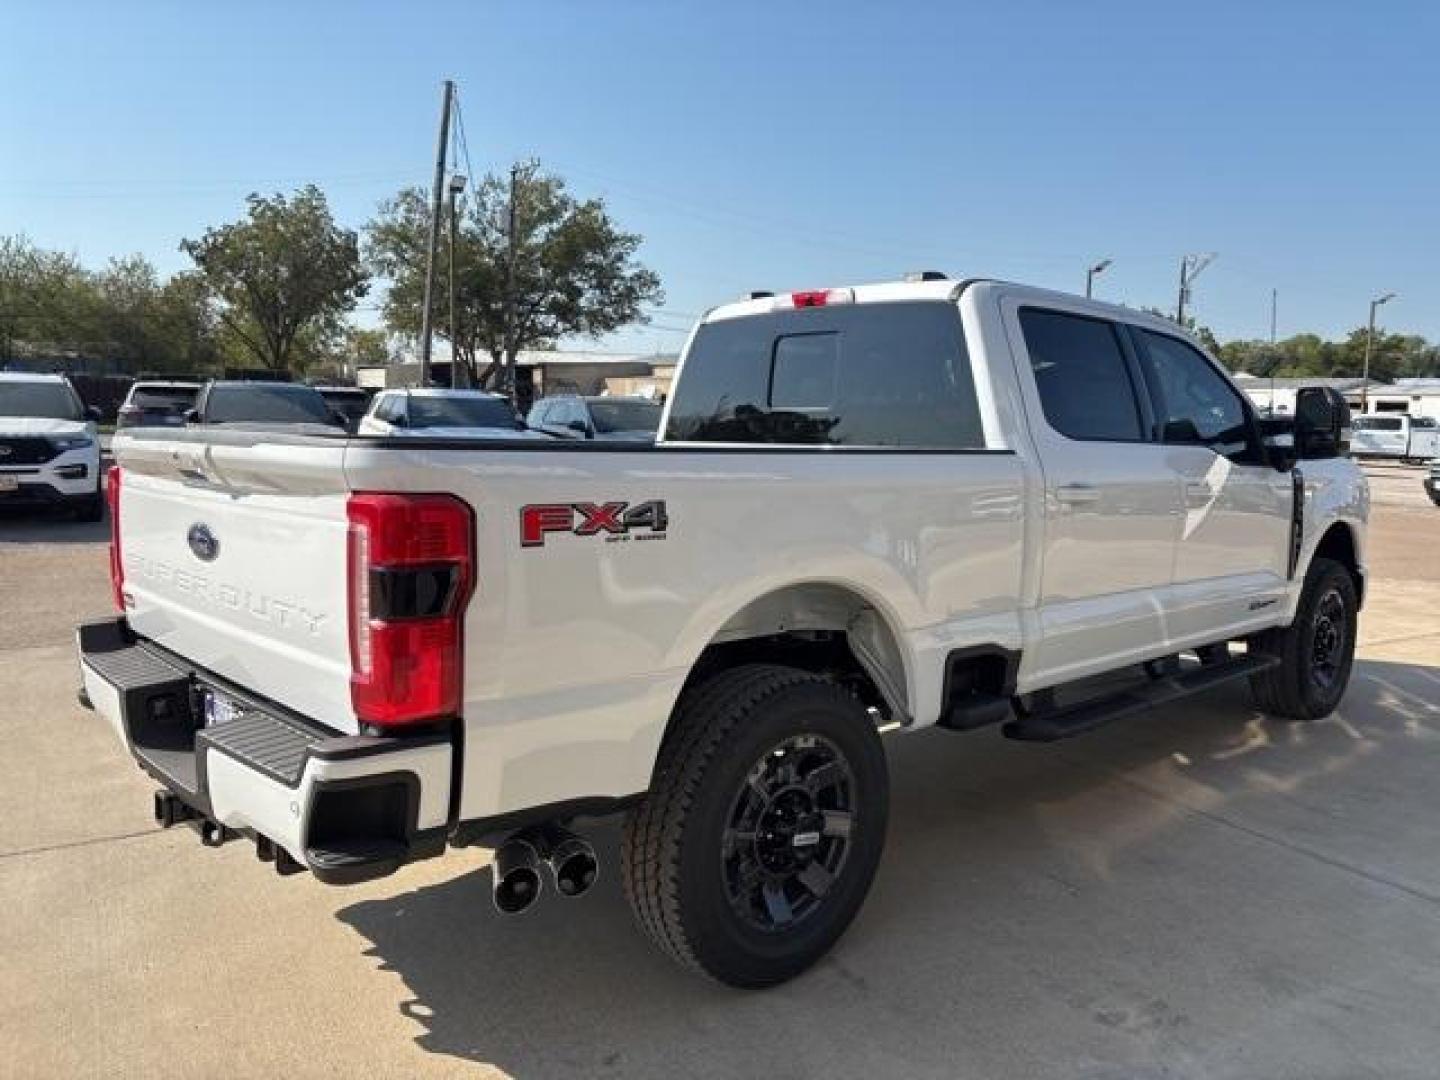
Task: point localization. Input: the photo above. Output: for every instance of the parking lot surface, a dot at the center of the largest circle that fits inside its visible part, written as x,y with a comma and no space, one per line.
1201,892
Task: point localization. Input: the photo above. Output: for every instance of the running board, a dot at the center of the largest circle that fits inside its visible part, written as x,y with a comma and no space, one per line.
1053,724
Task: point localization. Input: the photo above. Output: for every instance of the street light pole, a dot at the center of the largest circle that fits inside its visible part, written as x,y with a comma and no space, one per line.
1098,268
1369,342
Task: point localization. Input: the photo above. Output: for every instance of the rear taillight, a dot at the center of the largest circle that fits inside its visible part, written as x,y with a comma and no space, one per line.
117,568
411,573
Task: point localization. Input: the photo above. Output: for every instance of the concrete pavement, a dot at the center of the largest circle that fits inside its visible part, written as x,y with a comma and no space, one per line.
1204,893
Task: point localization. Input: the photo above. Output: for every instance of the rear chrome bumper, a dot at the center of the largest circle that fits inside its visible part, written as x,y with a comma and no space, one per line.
349,808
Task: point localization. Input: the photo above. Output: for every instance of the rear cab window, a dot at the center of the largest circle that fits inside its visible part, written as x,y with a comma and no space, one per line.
880,375
164,398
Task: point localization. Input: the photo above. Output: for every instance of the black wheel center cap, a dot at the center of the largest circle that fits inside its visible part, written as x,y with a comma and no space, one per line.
788,832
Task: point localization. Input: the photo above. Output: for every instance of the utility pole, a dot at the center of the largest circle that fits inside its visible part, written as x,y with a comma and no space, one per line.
1369,342
507,375
457,185
1190,268
437,195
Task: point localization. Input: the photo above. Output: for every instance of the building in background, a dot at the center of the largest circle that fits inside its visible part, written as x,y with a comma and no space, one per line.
1418,397
1278,395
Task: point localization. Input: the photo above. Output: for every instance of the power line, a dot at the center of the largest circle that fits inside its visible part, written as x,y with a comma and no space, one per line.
464,142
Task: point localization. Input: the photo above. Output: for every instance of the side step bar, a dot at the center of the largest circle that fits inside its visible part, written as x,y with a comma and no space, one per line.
1061,723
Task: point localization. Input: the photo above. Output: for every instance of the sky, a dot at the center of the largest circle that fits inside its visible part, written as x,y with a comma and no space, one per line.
780,146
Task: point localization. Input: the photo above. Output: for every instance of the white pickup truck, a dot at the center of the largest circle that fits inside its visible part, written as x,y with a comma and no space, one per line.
869,511
1396,435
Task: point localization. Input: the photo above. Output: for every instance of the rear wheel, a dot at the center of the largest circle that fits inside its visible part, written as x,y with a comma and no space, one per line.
1316,651
763,827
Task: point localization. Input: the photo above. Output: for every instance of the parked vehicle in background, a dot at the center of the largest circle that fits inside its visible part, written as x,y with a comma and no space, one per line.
351,402
240,402
438,413
871,510
1432,482
49,449
616,419
157,404
1395,435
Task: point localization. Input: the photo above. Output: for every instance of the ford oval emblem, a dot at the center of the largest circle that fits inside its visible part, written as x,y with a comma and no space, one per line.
203,542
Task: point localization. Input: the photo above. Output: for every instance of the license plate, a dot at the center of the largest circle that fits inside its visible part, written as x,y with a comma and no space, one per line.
9,483
219,709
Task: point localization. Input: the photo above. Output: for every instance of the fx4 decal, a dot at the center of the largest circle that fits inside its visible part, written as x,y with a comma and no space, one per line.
615,520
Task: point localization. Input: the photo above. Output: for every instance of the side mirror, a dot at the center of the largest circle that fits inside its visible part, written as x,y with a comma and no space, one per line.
578,426
337,419
1181,431
1322,423
93,414
191,416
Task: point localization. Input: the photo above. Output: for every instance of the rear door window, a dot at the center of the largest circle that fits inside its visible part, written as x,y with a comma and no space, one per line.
1082,376
863,375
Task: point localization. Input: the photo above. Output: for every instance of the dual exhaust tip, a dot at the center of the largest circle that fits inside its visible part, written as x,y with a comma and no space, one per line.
519,861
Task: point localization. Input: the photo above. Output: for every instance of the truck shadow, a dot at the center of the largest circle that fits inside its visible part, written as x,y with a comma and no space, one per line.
46,526
1014,872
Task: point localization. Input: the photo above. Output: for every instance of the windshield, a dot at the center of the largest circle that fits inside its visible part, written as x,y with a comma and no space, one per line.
462,412
41,400
625,415
262,403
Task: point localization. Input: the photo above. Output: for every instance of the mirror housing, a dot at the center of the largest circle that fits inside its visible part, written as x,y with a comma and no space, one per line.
93,414
578,426
191,416
1322,423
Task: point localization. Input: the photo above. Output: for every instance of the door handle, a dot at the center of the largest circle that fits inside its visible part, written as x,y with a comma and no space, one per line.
1075,494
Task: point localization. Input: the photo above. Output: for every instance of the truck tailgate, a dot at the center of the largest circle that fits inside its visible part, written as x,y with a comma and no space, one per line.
234,556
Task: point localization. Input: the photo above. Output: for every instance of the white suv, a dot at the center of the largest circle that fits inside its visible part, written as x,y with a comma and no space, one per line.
49,449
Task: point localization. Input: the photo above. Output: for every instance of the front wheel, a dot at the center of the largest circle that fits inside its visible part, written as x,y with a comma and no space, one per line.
1316,651
763,827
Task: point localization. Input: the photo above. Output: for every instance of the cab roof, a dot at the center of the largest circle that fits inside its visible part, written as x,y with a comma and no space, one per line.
31,377
440,392
877,293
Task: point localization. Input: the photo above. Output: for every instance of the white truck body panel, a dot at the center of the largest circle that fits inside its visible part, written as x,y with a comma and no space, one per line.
1079,556
269,612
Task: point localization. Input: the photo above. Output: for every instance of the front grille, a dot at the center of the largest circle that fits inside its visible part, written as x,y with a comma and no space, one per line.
26,450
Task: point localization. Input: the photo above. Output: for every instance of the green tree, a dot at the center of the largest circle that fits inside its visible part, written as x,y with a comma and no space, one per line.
47,301
284,276
566,271
368,348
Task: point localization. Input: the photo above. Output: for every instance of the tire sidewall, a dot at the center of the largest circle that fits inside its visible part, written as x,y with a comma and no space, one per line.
724,945
1327,578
